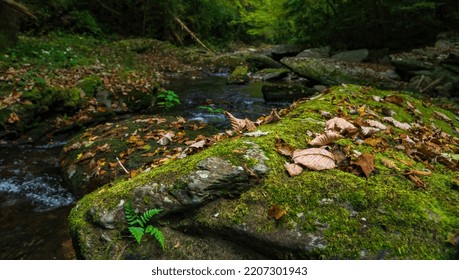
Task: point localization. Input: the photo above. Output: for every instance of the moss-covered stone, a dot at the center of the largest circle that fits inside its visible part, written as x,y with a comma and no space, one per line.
240,75
90,84
332,214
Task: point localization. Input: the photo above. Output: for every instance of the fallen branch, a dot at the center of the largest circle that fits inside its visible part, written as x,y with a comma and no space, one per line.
19,8
108,8
122,166
432,84
184,27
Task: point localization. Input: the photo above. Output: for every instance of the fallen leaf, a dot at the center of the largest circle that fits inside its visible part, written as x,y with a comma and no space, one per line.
418,172
293,169
276,212
198,145
389,164
404,126
417,182
13,118
376,124
314,158
442,116
366,162
85,156
326,138
272,117
394,99
368,130
240,124
339,124
283,147
166,139
255,134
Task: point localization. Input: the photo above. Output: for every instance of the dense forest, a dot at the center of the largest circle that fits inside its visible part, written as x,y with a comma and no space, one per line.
341,23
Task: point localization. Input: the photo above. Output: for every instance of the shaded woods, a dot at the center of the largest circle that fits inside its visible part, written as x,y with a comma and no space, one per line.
340,23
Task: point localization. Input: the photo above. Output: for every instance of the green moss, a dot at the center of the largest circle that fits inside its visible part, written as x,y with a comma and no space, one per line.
383,216
90,84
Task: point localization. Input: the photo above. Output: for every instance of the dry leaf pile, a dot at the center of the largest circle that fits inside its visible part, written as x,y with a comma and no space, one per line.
108,151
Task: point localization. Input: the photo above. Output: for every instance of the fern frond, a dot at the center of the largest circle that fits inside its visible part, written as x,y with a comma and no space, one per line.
157,234
146,216
137,232
131,216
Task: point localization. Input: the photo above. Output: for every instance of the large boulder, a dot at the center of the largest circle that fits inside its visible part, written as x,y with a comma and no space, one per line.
271,74
359,55
260,61
240,75
323,52
285,92
390,194
331,72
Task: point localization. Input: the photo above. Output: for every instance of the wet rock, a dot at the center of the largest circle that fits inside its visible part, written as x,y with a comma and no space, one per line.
332,72
270,74
285,92
237,195
323,52
280,51
352,56
260,61
240,75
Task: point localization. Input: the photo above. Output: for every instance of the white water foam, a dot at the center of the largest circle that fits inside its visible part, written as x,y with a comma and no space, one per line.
40,190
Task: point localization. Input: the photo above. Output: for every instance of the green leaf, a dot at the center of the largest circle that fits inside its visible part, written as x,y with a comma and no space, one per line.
157,234
137,232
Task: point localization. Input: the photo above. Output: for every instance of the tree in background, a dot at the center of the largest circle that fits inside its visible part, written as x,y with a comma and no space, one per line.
371,23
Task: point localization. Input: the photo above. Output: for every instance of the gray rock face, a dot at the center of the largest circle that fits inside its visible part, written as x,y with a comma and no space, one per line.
261,61
331,72
323,52
270,74
285,92
281,51
352,56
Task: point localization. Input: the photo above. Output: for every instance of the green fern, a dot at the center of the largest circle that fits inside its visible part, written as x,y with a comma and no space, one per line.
138,224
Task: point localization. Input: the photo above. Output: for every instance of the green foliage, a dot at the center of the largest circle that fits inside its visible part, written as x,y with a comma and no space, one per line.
56,50
168,99
138,223
369,23
212,110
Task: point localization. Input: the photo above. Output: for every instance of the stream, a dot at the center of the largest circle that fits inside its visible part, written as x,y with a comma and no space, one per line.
34,201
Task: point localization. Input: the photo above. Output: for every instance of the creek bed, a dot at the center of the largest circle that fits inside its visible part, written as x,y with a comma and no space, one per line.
34,202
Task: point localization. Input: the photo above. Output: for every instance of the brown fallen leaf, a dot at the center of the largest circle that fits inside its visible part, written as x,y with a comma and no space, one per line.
272,117
404,126
314,158
417,182
86,156
366,162
418,172
166,139
376,124
394,99
442,116
276,212
283,147
389,164
293,169
240,125
339,124
13,118
326,138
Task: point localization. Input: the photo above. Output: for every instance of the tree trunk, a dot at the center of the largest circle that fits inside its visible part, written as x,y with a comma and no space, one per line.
9,26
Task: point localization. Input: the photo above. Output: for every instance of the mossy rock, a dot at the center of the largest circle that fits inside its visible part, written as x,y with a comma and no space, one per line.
332,214
240,75
90,84
331,72
90,159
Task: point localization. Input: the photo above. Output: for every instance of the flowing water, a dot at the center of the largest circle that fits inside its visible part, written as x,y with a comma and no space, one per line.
34,203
